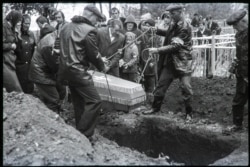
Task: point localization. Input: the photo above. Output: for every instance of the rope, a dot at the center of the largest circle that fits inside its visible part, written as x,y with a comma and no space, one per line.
128,44
109,90
149,58
108,87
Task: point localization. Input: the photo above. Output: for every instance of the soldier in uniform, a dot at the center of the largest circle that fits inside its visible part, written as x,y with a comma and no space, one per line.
175,60
239,21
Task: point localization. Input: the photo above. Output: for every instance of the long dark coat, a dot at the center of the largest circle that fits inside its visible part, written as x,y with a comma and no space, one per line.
24,52
39,71
10,80
78,52
108,48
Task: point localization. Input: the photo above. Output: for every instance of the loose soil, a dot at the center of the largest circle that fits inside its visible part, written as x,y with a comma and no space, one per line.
34,135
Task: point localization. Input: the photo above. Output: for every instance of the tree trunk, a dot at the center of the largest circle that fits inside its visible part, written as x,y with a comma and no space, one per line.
141,7
100,7
109,10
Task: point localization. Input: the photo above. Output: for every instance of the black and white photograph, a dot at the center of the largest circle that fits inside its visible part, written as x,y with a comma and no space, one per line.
125,84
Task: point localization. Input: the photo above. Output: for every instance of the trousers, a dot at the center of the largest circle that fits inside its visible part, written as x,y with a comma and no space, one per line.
166,78
87,105
239,101
49,95
10,80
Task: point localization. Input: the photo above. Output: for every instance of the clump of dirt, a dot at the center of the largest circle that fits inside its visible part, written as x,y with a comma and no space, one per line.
35,135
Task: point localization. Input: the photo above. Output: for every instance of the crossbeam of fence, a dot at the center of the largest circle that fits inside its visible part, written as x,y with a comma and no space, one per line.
213,54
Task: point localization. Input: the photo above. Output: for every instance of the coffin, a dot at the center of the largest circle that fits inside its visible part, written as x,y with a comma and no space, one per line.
118,93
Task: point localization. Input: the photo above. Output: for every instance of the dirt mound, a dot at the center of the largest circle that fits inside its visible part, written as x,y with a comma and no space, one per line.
35,135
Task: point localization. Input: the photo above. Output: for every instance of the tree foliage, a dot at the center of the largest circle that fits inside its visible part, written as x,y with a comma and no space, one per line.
30,8
216,10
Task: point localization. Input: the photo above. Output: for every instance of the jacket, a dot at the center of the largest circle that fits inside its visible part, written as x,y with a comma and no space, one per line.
242,52
150,70
175,54
46,30
139,42
205,32
24,52
59,27
39,70
10,80
131,59
108,48
9,38
214,27
25,48
78,43
195,22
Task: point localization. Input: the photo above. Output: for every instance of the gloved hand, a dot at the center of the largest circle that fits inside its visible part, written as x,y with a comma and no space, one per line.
57,51
106,68
152,50
151,64
120,51
13,46
125,66
121,62
104,59
154,29
233,66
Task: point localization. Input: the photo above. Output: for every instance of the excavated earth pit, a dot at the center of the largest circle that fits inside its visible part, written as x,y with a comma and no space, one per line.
34,135
165,137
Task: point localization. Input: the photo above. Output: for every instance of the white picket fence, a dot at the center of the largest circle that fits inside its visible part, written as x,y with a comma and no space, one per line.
213,54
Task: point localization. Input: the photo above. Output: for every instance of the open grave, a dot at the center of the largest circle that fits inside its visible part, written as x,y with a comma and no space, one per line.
159,137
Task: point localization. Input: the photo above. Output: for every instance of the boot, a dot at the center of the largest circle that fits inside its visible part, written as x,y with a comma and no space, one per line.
189,112
149,100
156,106
238,115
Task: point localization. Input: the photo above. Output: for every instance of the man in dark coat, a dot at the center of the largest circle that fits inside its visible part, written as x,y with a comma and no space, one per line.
43,72
78,43
203,31
109,41
44,26
239,21
195,21
175,60
115,15
60,18
24,52
213,26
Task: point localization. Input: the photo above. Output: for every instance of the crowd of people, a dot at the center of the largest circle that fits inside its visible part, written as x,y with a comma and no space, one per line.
199,24
139,52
